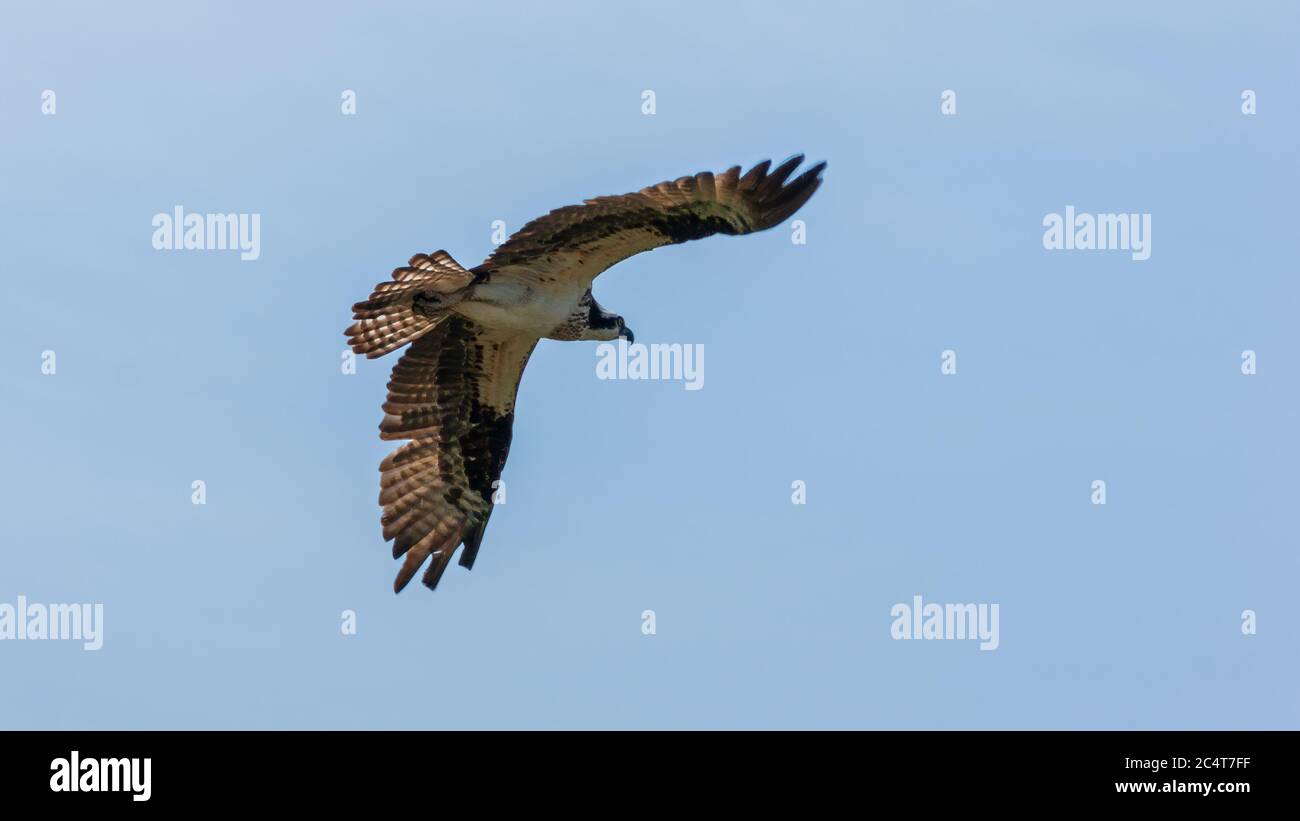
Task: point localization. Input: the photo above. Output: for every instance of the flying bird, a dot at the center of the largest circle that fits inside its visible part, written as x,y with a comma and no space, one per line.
471,331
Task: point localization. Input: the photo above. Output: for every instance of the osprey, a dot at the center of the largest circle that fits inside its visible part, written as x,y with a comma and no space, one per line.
472,330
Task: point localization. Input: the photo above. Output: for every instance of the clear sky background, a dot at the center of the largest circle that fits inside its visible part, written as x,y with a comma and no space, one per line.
822,365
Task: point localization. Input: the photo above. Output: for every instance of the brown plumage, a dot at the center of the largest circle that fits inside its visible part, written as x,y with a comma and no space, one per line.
584,240
471,333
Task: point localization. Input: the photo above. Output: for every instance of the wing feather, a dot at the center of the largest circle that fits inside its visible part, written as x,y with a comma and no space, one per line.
584,240
452,393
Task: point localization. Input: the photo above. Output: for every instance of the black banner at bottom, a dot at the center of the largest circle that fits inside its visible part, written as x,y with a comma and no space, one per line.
234,769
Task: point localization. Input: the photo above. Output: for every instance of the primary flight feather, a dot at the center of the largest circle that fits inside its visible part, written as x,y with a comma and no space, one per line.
471,332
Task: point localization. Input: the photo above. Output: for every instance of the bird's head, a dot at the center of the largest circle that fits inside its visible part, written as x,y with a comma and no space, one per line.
608,328
602,324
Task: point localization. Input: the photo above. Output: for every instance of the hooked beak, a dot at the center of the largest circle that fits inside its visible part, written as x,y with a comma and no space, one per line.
626,332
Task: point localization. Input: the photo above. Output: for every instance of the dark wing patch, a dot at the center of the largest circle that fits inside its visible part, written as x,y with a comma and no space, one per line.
453,394
584,240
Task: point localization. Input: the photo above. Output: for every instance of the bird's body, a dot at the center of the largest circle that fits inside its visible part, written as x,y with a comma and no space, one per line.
511,304
471,332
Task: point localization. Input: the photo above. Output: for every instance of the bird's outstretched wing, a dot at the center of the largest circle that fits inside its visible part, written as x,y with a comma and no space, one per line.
584,240
453,394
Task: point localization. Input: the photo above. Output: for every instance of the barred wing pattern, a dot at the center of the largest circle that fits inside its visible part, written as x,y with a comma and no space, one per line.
453,394
584,240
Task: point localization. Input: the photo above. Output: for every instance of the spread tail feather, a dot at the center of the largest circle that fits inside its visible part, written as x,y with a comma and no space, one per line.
405,309
383,333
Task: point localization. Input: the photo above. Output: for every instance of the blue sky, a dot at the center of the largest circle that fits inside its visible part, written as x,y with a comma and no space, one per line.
822,366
